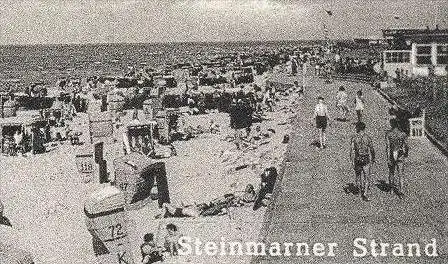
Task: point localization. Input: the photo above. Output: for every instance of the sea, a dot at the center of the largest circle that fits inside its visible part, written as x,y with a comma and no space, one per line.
22,65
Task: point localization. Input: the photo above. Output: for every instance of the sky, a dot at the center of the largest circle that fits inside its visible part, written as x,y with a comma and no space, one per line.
147,21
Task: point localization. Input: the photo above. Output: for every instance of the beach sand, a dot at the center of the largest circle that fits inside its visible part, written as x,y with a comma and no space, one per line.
44,194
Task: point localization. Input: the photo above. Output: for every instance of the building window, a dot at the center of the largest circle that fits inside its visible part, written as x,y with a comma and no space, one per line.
442,54
397,57
424,55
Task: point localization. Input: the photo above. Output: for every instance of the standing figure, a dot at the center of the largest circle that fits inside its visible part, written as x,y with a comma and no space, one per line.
18,142
397,150
362,155
321,116
341,104
172,240
359,105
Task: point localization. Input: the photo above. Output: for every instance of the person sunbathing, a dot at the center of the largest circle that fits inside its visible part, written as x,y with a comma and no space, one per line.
216,207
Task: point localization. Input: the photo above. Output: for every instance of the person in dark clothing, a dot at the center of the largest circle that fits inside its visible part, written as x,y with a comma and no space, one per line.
397,150
240,119
268,179
240,115
401,116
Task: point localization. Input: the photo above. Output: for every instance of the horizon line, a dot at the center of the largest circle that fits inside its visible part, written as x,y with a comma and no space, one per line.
165,42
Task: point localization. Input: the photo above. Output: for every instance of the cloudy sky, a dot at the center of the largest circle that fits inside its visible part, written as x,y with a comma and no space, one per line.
100,21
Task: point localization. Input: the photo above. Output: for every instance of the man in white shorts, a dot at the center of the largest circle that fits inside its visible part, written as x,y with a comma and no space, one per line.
321,117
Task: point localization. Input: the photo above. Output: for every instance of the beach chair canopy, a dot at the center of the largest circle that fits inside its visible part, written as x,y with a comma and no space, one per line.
107,199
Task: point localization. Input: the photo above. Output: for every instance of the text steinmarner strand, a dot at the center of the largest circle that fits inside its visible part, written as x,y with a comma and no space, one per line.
362,247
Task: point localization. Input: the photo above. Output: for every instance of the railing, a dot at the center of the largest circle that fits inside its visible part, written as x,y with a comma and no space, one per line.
417,126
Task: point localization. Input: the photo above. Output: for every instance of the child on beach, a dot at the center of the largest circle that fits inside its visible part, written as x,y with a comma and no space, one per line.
149,250
172,240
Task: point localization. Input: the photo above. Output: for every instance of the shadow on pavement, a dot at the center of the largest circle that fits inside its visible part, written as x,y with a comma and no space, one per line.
383,186
351,188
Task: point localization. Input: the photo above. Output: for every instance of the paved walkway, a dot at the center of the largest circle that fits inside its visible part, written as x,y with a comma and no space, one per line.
310,204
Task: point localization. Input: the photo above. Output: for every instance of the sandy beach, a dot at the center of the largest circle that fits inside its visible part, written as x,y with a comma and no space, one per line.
44,194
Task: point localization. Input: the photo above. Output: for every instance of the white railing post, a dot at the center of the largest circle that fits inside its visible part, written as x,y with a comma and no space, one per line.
417,126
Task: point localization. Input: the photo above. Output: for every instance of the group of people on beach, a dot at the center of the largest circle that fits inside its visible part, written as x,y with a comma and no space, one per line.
362,150
152,253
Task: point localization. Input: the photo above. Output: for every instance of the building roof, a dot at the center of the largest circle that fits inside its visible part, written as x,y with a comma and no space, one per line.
400,36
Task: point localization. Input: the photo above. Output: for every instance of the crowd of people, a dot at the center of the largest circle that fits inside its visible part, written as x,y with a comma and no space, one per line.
243,109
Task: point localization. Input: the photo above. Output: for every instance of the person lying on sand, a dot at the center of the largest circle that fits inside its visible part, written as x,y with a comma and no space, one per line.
216,207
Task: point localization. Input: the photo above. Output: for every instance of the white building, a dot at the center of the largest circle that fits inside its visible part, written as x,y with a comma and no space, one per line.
416,52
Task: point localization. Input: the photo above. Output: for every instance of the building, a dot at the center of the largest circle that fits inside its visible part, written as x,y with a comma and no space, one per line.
416,52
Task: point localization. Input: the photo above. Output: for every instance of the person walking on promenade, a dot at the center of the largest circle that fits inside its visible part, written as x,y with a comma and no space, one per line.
362,155
359,105
321,117
341,104
397,150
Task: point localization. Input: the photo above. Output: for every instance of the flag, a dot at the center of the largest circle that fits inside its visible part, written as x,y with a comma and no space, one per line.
329,12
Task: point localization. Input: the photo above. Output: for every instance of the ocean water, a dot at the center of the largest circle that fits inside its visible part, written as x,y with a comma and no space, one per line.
21,65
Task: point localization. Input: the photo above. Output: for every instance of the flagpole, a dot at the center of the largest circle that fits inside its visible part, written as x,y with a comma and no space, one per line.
326,30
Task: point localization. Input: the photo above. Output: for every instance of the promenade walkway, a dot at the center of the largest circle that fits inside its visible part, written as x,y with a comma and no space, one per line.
310,204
